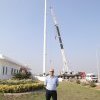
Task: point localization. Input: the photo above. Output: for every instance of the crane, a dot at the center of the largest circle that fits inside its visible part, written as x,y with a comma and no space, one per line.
65,63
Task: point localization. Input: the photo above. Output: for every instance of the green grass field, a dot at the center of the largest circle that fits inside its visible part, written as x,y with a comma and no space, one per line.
66,91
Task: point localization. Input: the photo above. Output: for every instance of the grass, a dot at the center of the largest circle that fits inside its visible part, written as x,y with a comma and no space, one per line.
66,91
72,91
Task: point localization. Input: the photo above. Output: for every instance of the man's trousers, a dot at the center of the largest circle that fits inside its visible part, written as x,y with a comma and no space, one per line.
51,93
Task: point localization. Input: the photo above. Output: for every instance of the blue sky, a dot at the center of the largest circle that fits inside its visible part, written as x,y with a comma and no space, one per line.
21,33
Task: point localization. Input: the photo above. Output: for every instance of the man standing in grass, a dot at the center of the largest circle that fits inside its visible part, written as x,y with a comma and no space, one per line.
51,83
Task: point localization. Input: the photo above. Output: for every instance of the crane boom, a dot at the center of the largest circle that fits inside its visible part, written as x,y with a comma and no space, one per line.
65,64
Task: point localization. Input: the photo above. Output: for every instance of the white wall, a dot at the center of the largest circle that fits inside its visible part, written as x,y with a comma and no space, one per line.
3,65
9,73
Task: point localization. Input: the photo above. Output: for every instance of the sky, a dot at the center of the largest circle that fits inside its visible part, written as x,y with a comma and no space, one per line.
21,33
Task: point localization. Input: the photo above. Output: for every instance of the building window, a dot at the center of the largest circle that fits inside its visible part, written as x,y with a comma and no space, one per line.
3,70
17,71
12,71
6,70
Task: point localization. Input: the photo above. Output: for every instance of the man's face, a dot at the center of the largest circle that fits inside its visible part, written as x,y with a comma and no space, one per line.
51,73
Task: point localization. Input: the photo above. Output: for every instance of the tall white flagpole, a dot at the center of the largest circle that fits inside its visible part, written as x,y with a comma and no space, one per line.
44,43
97,56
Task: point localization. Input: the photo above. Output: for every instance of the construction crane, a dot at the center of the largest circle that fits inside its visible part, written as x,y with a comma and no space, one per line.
65,63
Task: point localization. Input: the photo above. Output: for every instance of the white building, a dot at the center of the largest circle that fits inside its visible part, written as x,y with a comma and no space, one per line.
9,67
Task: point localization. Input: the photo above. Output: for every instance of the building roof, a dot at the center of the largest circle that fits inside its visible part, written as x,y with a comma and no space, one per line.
13,61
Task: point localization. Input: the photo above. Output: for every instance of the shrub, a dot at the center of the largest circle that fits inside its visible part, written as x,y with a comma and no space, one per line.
71,80
17,82
21,75
20,88
78,81
17,86
84,83
92,84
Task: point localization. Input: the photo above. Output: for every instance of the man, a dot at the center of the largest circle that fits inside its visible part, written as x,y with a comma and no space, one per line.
51,83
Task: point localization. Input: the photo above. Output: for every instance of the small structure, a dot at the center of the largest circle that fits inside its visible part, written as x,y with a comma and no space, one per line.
9,67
